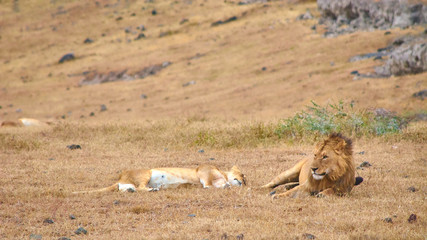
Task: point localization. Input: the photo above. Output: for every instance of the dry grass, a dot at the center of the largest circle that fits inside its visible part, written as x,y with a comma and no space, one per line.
232,112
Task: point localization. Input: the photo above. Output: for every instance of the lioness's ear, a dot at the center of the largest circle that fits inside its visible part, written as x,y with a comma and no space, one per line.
235,168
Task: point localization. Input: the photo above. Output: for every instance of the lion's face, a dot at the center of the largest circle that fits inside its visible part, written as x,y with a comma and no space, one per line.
235,177
331,159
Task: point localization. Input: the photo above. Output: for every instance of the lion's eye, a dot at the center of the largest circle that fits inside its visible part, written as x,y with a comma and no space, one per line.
324,157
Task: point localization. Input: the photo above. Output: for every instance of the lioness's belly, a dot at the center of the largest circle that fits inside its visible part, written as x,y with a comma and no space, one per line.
162,179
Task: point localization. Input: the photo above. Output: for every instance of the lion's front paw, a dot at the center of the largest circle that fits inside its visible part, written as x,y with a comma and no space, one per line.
153,189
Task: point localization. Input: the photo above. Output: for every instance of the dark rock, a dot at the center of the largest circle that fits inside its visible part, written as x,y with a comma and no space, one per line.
412,218
92,114
72,217
220,22
421,94
67,57
103,108
382,112
48,221
35,236
119,18
184,20
246,2
74,146
355,72
308,236
272,193
264,68
143,96
365,164
361,153
51,159
116,202
201,151
240,236
189,83
141,28
358,181
140,36
412,189
314,27
88,40
128,30
191,215
387,33
154,12
80,230
211,159
388,220
63,238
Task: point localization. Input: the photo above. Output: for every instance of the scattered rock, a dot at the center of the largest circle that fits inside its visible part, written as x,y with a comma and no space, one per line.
74,146
192,215
264,69
184,20
140,36
67,57
72,217
355,72
240,236
421,94
361,153
63,238
88,40
211,159
388,220
103,108
308,236
154,12
201,151
246,2
387,33
48,221
365,164
119,18
97,78
412,218
189,83
143,96
220,22
51,159
272,193
412,189
141,28
305,16
358,181
116,202
35,236
80,230
92,114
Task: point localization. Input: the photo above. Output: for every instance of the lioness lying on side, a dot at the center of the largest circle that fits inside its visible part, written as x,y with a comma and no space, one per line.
157,178
330,172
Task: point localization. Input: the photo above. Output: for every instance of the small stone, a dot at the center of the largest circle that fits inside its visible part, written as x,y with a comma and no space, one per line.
412,189
355,72
119,18
240,236
67,57
388,220
308,236
72,217
211,159
314,27
128,30
141,28
35,236
140,36
129,110
74,146
116,202
264,68
365,164
201,151
154,12
387,33
332,64
361,153
272,193
103,108
48,221
412,218
92,114
63,238
143,96
189,83
88,40
192,215
18,110
51,159
80,230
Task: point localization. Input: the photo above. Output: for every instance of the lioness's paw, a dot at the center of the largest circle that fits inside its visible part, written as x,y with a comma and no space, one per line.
153,189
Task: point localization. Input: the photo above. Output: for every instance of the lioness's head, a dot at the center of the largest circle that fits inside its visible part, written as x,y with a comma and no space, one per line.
235,177
332,158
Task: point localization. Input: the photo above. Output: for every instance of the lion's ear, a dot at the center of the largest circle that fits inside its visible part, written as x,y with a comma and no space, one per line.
340,147
235,168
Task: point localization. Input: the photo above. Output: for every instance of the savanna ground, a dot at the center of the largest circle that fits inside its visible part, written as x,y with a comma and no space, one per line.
233,113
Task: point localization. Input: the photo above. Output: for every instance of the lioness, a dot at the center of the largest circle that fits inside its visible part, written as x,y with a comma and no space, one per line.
157,178
331,171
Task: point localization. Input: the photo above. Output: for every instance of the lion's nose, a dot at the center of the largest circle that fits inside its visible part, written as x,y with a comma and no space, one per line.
314,169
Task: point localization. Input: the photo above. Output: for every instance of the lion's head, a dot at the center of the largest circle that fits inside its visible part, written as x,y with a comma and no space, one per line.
333,166
236,177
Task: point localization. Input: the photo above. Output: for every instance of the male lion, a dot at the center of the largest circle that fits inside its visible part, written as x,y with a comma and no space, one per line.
156,178
331,171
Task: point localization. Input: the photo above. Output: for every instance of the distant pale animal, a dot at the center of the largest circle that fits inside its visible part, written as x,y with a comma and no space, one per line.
330,172
158,178
24,122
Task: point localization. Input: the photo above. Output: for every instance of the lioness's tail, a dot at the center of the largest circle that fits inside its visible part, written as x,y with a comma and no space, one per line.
106,189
